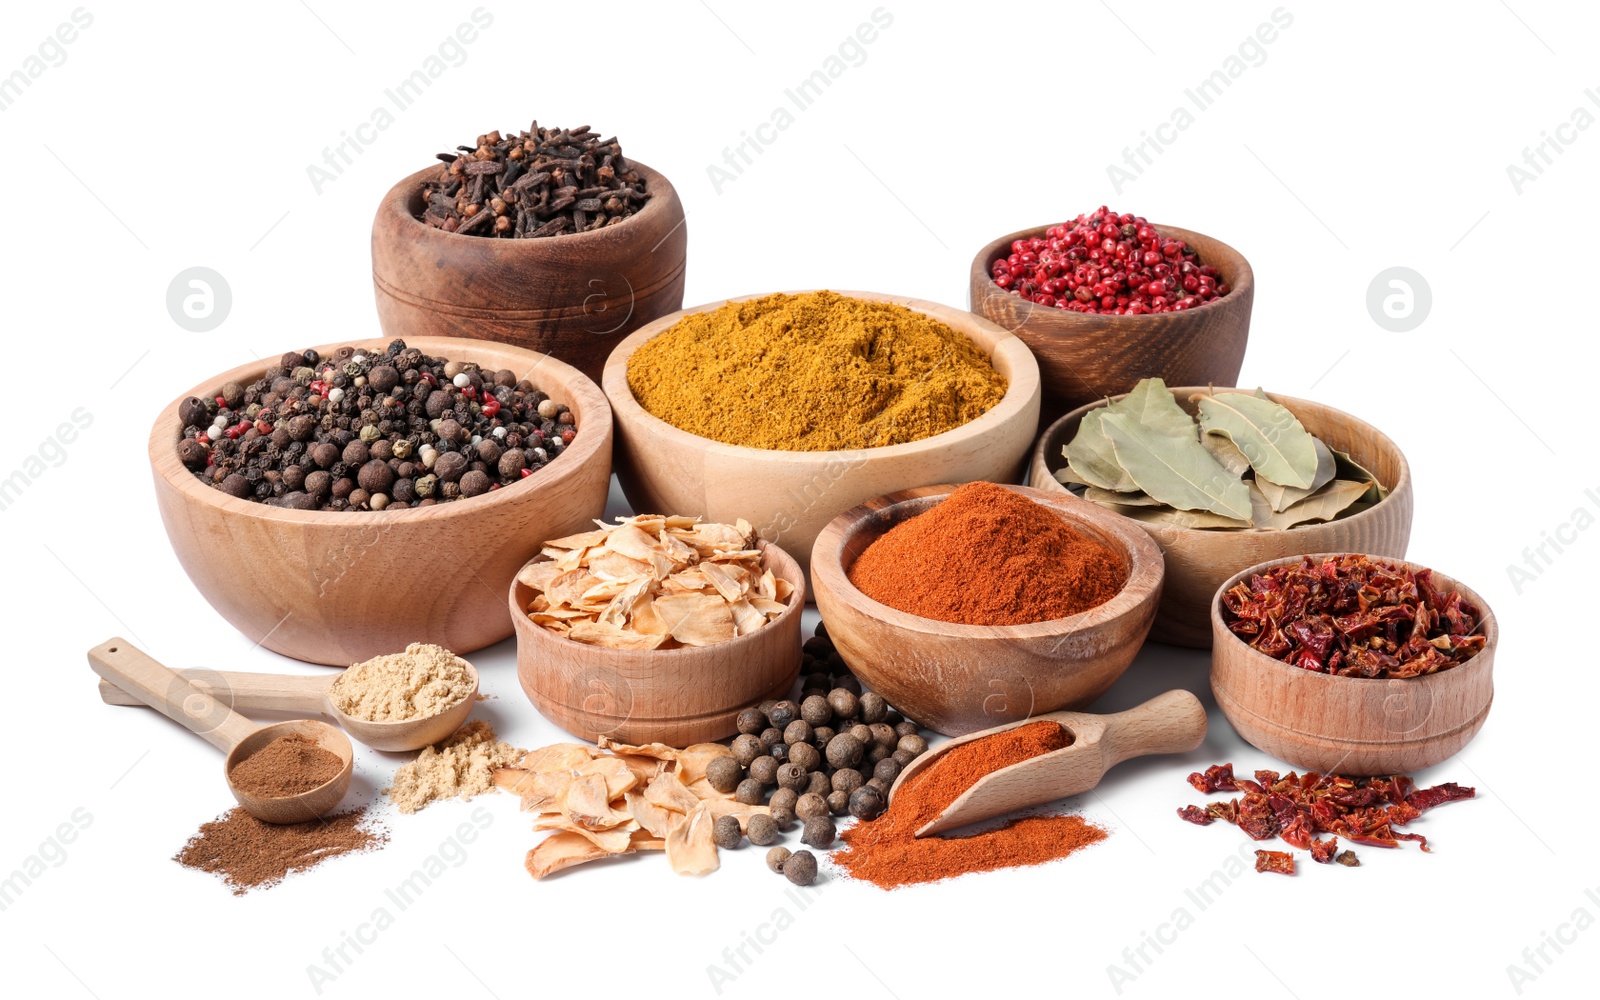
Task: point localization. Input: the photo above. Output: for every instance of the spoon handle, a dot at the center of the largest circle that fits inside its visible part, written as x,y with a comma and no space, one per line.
244,692
1174,722
164,690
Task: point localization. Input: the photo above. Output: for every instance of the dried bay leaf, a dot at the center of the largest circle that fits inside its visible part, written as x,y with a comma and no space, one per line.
1278,447
1152,404
1101,496
1091,457
1348,468
1178,471
1183,518
1324,505
1283,497
1226,453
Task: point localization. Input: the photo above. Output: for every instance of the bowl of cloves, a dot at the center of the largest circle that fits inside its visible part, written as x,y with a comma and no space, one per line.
547,239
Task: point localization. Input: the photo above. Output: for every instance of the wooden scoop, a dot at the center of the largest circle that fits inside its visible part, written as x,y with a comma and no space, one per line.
164,690
247,692
1173,722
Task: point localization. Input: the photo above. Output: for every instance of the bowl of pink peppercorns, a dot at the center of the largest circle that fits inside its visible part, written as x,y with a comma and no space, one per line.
1109,298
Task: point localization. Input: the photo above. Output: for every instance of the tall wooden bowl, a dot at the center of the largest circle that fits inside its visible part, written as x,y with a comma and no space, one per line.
674,696
958,679
337,587
1085,357
1198,561
1350,725
790,495
572,297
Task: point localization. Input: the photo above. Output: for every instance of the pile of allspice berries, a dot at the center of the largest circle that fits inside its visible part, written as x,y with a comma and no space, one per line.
837,750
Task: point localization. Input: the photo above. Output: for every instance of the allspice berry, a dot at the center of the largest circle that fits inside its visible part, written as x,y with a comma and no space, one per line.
913,744
884,734
806,755
905,757
764,769
867,802
771,737
783,798
475,483
761,829
905,727
725,832
745,749
819,784
798,731
838,803
375,476
811,805
779,752
783,713
819,831
751,792
844,750
192,453
776,857
887,769
847,780
793,776
801,867
816,710
843,703
450,466
873,707
783,817
724,774
751,721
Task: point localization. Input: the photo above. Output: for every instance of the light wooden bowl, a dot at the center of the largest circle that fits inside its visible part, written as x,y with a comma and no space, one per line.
337,587
1083,357
957,679
674,696
1197,560
1350,725
572,297
790,495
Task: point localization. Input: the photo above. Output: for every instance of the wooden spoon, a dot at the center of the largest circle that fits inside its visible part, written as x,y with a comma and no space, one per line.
253,692
164,690
1173,722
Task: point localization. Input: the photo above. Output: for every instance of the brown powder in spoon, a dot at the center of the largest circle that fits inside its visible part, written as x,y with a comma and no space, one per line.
288,765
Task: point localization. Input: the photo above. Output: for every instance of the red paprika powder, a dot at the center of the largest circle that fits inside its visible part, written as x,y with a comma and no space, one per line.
887,853
987,556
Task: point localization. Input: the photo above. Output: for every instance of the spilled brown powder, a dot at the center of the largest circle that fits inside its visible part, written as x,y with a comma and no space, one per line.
460,767
288,765
249,854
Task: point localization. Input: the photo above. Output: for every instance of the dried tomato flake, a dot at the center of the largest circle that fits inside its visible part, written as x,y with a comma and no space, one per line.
1281,862
1354,617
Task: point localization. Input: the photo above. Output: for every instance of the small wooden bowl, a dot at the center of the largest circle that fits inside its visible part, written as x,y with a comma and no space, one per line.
572,297
1197,560
958,679
1083,357
790,495
678,697
305,806
338,587
1350,725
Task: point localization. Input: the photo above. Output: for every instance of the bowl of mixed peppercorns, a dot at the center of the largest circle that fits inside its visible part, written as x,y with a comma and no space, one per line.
344,501
1109,298
546,238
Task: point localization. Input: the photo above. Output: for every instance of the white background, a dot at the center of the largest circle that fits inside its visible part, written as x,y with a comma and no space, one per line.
180,136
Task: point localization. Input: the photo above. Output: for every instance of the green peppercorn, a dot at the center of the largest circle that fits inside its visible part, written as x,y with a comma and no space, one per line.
800,868
761,828
725,832
724,774
751,792
819,831
776,857
867,802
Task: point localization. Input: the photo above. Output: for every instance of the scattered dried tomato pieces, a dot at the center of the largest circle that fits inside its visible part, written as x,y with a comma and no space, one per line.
1354,617
1281,862
1295,808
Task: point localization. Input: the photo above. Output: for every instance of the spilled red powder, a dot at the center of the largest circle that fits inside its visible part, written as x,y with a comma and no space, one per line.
887,853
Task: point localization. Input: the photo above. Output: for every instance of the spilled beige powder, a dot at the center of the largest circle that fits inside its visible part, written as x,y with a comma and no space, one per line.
419,683
461,767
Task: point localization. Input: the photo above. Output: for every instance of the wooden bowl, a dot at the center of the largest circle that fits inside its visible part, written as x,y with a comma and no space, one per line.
674,696
304,806
958,679
338,587
1198,561
1083,357
790,495
572,297
1350,725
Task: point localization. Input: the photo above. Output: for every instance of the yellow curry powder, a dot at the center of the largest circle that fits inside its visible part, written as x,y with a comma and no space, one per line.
813,372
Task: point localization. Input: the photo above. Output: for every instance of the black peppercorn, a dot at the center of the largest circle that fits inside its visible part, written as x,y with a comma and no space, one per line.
817,646
848,682
725,832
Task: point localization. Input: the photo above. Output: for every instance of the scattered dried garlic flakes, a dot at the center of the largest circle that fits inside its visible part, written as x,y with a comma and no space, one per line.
616,799
654,582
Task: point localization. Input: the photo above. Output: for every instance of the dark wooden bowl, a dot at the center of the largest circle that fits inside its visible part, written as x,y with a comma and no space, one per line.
1084,357
1198,560
572,297
337,587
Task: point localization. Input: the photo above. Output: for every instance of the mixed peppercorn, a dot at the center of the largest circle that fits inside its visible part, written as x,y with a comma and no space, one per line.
1105,262
358,430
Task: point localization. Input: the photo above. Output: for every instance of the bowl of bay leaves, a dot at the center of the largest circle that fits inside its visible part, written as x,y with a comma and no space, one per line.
1226,478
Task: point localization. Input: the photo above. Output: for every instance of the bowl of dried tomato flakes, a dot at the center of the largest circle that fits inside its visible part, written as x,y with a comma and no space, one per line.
1352,664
